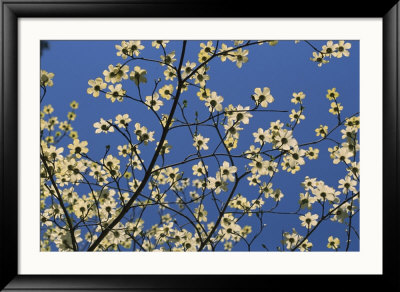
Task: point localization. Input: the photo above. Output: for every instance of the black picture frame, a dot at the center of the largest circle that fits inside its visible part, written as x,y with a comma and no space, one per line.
10,280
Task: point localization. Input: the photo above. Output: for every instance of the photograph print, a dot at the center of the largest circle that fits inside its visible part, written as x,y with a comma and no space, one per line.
199,145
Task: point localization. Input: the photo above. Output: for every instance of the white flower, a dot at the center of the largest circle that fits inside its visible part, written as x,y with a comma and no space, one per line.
333,243
296,116
122,120
116,73
200,142
298,97
157,44
324,192
154,102
187,69
214,102
318,58
254,179
103,126
343,154
329,48
232,129
227,171
291,239
298,154
342,49
347,185
138,75
240,57
260,136
217,184
263,97
309,183
258,165
200,213
271,167
199,169
284,140
240,114
309,220
306,201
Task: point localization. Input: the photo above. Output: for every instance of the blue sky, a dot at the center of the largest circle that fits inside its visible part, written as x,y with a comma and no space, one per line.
284,68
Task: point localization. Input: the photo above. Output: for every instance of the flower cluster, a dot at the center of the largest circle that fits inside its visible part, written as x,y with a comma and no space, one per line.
331,49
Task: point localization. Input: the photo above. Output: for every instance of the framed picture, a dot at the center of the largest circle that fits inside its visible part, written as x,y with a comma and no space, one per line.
205,150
